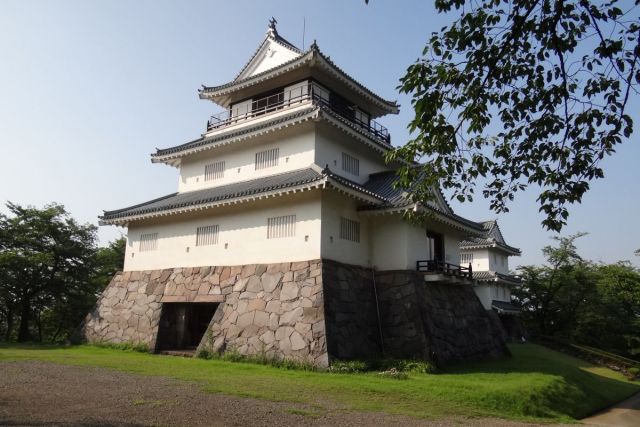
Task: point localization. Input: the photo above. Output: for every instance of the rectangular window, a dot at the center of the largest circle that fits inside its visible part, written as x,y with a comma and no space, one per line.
362,118
281,226
349,230
267,159
214,171
148,242
466,258
350,164
207,235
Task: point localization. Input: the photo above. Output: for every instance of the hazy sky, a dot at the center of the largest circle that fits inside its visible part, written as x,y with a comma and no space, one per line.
88,89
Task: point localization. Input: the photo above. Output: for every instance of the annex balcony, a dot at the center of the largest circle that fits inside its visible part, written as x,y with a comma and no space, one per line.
440,271
260,108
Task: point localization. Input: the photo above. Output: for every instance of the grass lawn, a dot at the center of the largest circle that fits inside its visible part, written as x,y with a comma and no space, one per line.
536,384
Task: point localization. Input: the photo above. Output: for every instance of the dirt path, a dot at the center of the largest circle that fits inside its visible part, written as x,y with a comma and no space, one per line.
43,394
623,414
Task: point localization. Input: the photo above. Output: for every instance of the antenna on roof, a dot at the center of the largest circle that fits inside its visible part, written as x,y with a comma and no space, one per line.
304,27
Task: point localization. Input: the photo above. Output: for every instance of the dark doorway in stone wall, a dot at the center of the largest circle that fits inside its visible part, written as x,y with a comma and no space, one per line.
182,325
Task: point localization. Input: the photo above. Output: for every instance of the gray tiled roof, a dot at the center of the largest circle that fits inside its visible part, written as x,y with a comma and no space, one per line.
224,192
490,276
382,183
492,237
505,307
245,130
379,187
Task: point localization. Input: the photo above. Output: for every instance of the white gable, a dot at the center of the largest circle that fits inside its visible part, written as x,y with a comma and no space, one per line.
269,55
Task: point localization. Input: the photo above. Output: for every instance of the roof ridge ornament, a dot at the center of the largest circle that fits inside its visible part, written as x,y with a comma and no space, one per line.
271,30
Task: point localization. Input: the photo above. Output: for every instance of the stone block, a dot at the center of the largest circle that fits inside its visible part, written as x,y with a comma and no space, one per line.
245,319
299,265
256,304
274,306
260,269
247,270
289,291
254,284
291,318
261,319
240,285
297,342
270,281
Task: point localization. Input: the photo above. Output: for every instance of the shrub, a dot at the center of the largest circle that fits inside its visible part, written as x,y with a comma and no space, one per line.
348,366
394,374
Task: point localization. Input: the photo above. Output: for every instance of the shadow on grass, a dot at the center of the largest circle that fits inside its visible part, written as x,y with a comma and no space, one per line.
579,389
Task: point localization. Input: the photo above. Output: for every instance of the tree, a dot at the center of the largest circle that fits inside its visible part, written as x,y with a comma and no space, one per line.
521,92
46,260
551,295
584,302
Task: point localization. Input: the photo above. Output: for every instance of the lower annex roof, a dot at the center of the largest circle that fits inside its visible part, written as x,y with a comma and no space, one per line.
493,276
376,193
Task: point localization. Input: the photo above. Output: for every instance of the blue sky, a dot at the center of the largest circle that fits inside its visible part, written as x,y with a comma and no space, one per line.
89,89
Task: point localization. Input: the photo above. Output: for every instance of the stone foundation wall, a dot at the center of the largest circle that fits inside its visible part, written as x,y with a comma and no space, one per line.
439,321
350,311
127,311
277,310
310,311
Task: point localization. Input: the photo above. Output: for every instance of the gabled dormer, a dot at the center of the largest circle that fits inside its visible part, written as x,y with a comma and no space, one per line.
274,51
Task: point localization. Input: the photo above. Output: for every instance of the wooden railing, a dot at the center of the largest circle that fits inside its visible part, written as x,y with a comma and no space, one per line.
433,266
290,98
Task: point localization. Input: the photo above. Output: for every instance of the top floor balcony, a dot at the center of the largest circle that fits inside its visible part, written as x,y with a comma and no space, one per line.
247,111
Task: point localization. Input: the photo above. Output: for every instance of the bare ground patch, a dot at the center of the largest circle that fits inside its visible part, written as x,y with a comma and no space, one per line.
48,394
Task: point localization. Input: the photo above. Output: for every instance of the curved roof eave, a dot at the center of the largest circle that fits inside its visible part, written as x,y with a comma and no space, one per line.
313,56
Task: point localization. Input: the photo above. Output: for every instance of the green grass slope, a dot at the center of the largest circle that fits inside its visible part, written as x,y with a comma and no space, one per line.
536,384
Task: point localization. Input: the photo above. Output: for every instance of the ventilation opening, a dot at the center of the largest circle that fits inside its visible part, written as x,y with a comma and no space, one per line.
182,325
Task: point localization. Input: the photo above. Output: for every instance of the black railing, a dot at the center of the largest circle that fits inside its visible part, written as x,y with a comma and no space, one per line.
433,266
289,99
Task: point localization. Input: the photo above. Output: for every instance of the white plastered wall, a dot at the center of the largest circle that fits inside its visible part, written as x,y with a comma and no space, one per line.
397,244
242,237
270,56
331,143
488,292
490,260
296,151
334,206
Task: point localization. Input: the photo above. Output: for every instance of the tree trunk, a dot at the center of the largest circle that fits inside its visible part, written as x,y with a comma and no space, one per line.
7,335
39,323
25,313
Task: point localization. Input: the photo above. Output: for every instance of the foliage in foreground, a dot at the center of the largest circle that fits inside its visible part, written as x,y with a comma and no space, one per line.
536,384
50,272
583,302
515,93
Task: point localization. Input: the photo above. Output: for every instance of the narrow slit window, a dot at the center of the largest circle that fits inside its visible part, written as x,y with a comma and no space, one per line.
350,164
214,171
148,242
267,159
281,226
207,235
349,230
466,258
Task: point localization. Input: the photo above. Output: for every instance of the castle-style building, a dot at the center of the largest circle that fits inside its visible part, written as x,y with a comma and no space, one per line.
287,236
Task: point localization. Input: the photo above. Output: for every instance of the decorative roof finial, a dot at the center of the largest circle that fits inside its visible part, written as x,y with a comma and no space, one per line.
314,45
272,27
